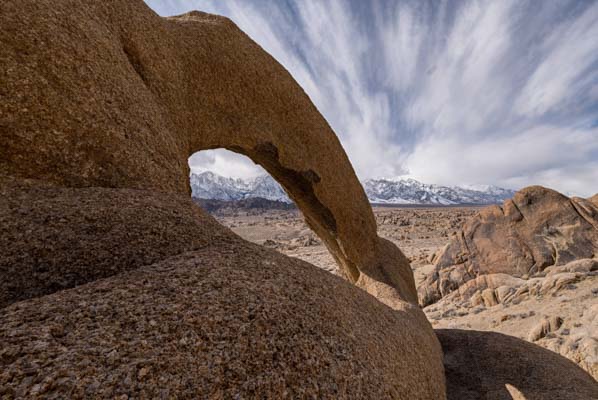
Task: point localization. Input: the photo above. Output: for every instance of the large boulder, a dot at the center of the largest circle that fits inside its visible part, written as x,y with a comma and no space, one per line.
536,229
232,320
54,238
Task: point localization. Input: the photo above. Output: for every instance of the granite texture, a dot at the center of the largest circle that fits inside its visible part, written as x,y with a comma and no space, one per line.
107,93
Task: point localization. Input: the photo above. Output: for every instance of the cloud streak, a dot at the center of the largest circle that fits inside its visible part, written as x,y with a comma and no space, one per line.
448,92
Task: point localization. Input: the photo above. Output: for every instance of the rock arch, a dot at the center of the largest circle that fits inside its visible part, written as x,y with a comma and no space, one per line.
101,103
163,89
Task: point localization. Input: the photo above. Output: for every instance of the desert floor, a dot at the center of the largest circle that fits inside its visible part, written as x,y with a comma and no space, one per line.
419,232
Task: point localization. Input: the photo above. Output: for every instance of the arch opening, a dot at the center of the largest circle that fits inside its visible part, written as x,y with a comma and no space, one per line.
246,197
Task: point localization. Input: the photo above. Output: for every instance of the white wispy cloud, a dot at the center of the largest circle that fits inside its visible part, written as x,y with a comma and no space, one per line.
565,72
450,92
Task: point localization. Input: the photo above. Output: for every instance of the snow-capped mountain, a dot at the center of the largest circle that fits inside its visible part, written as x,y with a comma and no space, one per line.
410,191
208,185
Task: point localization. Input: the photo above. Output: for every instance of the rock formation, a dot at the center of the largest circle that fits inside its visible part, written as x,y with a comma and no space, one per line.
558,311
101,105
533,253
230,319
112,95
538,228
121,287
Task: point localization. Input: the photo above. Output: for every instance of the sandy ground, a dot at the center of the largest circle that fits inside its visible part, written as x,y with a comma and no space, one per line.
419,232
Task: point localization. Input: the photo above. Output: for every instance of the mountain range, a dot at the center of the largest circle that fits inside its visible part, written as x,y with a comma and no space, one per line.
209,185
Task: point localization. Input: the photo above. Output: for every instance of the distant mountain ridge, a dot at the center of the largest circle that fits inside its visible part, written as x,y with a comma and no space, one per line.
209,185
411,191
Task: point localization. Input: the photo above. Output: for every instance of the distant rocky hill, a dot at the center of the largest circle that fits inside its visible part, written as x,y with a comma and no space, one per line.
208,185
252,203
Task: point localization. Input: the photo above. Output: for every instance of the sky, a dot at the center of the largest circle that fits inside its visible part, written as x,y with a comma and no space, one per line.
501,92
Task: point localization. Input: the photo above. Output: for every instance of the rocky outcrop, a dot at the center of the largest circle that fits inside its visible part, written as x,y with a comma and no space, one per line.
533,253
557,310
121,286
488,365
108,94
493,289
537,229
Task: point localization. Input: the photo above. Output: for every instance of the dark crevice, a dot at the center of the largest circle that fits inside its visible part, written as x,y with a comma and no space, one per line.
133,56
518,209
299,183
581,214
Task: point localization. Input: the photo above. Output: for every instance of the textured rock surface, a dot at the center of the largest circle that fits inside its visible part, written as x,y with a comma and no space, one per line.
557,310
492,366
54,238
110,94
229,320
538,228
103,102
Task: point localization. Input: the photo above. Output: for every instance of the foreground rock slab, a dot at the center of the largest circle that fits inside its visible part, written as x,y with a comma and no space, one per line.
231,320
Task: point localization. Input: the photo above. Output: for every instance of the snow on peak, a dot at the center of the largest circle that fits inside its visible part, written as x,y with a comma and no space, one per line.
209,185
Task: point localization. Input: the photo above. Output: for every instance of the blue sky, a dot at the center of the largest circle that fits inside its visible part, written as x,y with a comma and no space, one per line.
501,92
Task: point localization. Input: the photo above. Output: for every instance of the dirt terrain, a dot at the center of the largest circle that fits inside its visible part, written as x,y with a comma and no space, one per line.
419,231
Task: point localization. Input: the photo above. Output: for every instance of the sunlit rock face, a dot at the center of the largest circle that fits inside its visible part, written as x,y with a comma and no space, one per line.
536,229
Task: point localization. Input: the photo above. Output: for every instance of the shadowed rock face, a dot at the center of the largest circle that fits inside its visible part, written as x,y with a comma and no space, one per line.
109,94
141,293
231,319
538,228
55,238
492,366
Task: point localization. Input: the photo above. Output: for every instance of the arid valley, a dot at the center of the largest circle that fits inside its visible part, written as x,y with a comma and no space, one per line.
563,318
419,231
